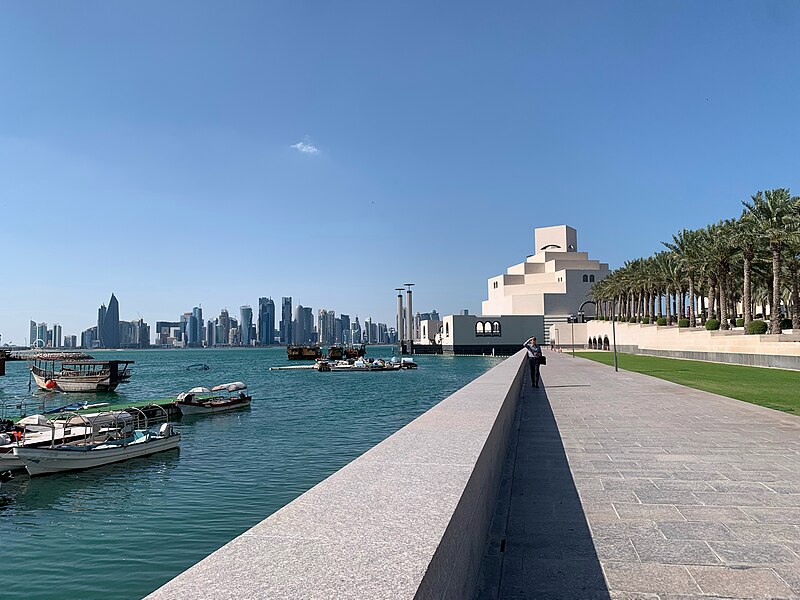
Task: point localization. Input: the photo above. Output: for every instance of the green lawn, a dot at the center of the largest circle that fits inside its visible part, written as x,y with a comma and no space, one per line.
773,388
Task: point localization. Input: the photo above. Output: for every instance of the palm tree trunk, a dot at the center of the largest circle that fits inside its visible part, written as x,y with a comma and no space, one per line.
702,308
795,300
666,303
692,317
775,307
724,309
746,292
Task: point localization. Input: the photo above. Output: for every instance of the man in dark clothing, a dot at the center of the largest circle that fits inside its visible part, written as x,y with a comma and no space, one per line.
534,356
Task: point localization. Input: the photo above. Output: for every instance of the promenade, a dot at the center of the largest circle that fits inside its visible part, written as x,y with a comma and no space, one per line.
623,486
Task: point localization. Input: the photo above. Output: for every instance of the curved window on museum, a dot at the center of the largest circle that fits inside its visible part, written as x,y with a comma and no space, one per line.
495,328
585,279
591,278
479,331
447,329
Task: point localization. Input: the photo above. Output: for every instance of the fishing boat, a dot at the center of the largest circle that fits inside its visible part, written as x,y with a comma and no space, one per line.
220,398
110,441
303,352
349,352
65,373
36,431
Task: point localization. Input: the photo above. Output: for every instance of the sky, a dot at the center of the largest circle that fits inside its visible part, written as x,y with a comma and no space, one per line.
191,153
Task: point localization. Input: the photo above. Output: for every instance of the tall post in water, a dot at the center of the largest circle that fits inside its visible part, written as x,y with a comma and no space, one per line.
400,329
409,318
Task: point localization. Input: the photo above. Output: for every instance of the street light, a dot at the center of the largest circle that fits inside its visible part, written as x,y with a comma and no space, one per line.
614,335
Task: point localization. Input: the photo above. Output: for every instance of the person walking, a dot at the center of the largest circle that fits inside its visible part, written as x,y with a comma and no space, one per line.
534,359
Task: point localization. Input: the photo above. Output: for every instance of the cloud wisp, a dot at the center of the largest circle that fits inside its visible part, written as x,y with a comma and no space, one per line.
305,148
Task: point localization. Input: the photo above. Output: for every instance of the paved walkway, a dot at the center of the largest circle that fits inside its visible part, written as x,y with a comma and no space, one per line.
623,486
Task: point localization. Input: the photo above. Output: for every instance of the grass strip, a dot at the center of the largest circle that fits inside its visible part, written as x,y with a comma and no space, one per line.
773,388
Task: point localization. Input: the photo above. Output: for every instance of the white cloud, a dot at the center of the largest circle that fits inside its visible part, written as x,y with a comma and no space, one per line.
305,148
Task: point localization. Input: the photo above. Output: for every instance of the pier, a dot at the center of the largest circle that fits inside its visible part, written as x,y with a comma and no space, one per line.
598,485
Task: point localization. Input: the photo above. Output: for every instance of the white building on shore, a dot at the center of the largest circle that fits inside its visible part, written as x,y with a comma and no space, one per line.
547,287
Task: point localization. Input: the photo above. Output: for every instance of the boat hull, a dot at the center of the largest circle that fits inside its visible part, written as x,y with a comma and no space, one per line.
187,408
77,384
41,461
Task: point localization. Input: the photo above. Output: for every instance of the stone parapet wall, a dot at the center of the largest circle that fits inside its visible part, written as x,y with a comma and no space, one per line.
407,519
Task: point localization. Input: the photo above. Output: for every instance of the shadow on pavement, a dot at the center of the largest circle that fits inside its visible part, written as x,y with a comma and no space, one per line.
540,545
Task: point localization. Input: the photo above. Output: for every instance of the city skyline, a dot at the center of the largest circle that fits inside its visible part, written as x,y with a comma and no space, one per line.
325,327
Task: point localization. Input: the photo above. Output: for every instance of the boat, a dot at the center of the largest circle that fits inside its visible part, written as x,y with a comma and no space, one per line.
64,373
110,440
38,430
303,352
220,398
360,364
350,352
198,367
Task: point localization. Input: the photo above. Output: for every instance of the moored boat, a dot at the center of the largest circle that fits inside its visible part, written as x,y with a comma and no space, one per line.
63,372
303,352
109,439
220,398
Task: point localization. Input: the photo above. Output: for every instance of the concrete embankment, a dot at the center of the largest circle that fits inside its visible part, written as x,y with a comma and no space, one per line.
407,519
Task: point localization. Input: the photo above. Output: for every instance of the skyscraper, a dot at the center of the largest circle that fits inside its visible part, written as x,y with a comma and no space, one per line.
32,338
355,332
246,324
286,320
211,334
197,313
266,322
326,327
56,335
109,329
225,327
345,329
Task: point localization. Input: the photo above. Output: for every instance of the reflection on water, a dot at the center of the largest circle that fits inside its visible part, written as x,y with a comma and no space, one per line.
122,530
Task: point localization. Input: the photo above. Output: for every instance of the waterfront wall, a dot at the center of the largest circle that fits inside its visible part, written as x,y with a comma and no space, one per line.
407,519
732,346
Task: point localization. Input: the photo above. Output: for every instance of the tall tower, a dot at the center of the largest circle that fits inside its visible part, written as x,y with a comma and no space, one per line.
400,329
109,330
409,315
286,320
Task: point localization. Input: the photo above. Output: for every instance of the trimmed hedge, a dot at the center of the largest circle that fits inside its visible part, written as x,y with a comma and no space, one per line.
757,327
740,322
683,322
786,323
712,324
647,320
661,321
633,320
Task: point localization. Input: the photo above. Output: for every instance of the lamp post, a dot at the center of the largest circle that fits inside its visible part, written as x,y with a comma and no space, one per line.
572,321
614,334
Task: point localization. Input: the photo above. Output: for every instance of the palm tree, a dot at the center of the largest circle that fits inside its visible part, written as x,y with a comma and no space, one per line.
746,237
687,248
775,217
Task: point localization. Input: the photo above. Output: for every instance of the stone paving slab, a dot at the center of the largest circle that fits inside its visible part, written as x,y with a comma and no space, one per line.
622,486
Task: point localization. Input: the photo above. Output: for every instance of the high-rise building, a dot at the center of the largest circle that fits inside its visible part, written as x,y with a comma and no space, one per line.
197,313
109,329
211,334
89,337
32,336
355,332
56,335
326,327
224,334
191,331
101,317
41,335
286,320
382,333
345,337
246,325
266,322
165,332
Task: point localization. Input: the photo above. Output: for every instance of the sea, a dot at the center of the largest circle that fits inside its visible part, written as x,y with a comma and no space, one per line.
122,530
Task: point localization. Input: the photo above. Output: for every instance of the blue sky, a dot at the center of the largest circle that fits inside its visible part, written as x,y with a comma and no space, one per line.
151,148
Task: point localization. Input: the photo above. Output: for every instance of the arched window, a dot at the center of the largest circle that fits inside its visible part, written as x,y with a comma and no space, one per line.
591,278
479,331
424,333
585,278
495,328
447,329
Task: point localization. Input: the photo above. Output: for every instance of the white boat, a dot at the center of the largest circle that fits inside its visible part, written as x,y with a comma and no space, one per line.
110,440
203,401
66,373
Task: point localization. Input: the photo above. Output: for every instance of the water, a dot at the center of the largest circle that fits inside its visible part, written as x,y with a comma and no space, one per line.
122,530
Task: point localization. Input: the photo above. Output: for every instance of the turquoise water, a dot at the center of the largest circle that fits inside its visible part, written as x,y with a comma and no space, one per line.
122,530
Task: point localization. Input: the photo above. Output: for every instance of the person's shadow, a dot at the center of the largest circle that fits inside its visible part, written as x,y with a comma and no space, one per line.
539,545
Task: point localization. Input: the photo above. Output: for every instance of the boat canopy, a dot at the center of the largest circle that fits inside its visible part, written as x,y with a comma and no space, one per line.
33,420
229,387
199,390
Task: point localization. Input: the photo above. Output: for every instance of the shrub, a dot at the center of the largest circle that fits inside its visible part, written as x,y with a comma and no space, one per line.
661,321
740,322
712,324
633,320
683,322
757,327
786,323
